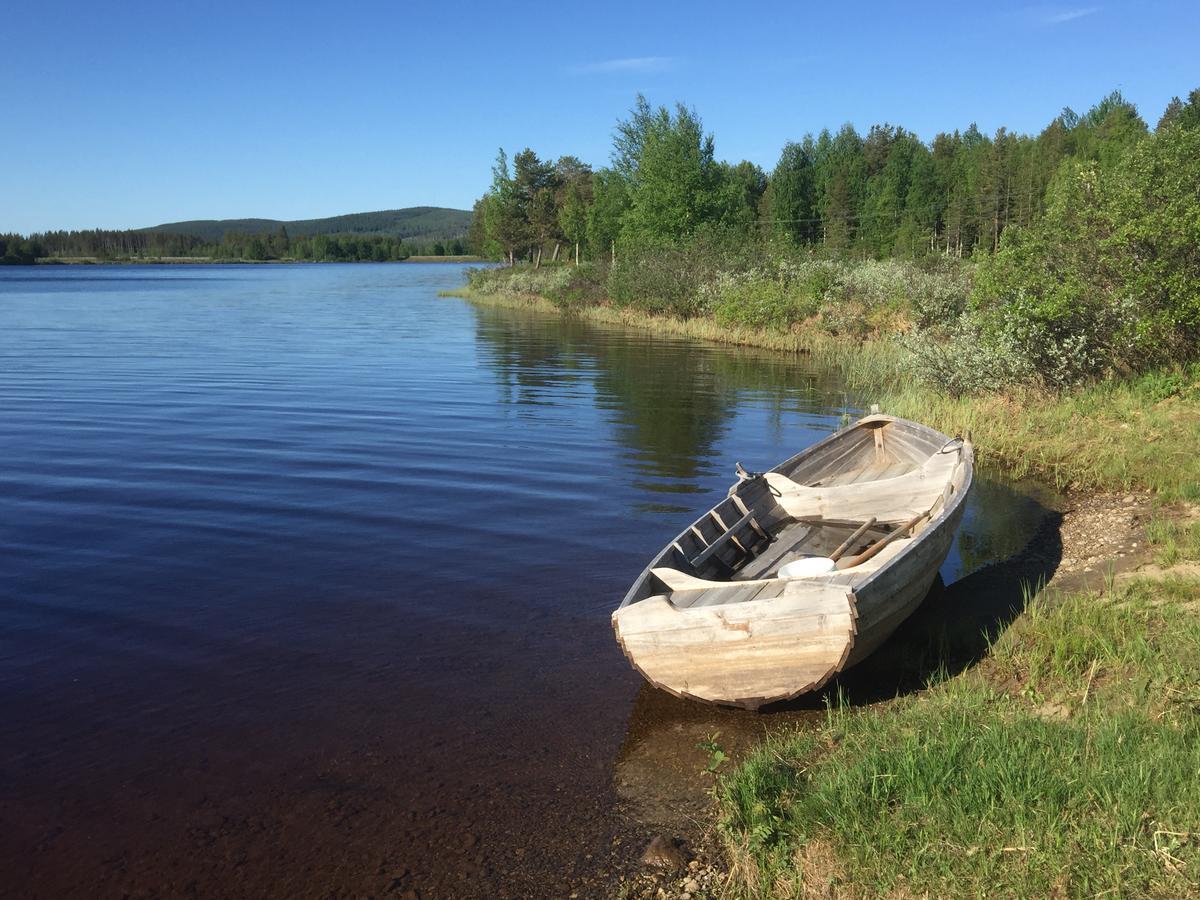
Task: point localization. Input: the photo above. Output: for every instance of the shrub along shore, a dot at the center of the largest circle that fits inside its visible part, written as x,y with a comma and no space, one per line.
1117,433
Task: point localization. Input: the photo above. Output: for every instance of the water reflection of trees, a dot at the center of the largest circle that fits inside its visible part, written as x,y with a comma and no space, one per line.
670,401
527,358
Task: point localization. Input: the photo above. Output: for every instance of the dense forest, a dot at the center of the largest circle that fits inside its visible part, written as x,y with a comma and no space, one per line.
1050,259
132,245
378,237
887,193
419,224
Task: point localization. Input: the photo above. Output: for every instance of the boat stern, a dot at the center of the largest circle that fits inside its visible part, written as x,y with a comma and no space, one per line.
741,654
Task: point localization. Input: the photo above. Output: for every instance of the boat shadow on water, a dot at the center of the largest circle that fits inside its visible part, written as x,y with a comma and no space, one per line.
662,771
951,630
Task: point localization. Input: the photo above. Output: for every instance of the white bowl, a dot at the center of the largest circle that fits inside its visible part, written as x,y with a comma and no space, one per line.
810,565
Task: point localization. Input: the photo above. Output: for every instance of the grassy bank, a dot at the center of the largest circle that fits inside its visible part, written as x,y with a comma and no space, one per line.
1064,765
1115,435
701,329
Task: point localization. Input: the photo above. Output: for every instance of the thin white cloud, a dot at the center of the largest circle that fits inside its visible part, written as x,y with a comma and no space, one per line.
626,64
1060,16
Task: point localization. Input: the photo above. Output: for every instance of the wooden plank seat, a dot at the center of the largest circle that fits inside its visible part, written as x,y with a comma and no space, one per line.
686,591
890,500
743,540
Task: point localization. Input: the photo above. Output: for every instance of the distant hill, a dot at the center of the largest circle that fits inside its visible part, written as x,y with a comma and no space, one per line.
416,223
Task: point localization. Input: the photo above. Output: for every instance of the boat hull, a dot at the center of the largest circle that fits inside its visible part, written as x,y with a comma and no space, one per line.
885,603
741,654
748,636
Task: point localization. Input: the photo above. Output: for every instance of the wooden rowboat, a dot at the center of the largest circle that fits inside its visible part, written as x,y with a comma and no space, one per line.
714,618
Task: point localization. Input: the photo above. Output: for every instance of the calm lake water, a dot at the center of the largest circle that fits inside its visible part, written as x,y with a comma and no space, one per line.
306,574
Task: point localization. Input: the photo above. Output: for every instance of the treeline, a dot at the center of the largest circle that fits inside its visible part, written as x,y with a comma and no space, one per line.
886,193
102,244
1013,259
16,250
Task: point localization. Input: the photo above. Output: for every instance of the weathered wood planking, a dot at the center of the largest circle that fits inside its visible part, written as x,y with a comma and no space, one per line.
894,499
708,618
744,654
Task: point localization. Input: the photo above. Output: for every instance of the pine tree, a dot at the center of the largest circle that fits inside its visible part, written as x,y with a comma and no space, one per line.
793,195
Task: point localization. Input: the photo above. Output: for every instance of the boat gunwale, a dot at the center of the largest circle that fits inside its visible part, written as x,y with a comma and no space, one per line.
935,523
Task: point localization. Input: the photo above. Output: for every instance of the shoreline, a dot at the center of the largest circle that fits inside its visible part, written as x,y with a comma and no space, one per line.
204,260
696,329
1105,549
1138,432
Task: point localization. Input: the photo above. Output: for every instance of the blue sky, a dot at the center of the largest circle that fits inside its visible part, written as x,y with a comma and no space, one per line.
131,114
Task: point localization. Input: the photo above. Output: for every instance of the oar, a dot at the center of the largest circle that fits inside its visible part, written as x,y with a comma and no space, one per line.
887,539
880,544
852,540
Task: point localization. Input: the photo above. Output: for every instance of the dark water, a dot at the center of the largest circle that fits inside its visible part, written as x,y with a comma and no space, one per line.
305,574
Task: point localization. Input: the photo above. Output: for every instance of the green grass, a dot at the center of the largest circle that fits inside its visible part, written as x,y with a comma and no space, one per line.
1067,764
1115,435
1173,541
1139,646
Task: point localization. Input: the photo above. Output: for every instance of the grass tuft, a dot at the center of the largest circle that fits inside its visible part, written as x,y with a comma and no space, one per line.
1173,541
1109,436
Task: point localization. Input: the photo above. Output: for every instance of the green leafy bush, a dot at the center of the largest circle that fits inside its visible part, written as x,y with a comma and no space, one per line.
1109,279
760,302
938,296
585,285
663,282
674,278
521,280
1153,248
959,360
